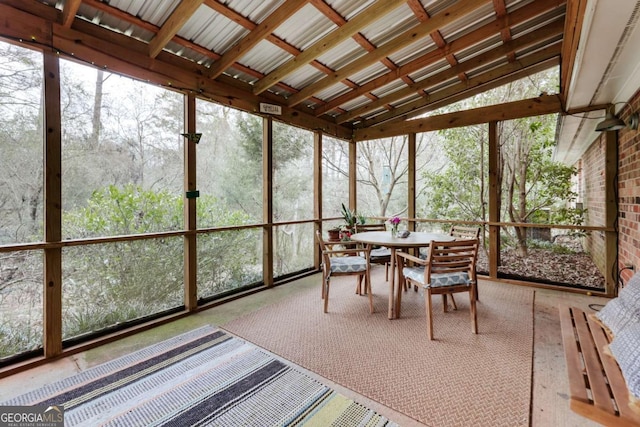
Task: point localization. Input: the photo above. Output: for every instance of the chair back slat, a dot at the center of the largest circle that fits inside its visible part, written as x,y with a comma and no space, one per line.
452,257
380,226
464,232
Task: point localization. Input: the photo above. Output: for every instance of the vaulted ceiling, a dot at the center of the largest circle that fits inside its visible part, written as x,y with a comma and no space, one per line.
343,66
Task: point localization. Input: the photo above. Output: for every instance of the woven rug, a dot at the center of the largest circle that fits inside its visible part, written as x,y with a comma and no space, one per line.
459,379
204,377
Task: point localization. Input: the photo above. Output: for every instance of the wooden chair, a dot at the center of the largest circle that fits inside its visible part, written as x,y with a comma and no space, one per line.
464,232
449,268
380,255
344,262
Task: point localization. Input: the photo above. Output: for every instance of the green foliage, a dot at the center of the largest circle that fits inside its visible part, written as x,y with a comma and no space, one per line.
457,190
351,218
105,284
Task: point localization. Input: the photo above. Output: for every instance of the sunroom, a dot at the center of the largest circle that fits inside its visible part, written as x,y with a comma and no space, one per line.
163,161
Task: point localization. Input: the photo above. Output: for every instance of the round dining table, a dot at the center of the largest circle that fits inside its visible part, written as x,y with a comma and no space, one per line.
417,239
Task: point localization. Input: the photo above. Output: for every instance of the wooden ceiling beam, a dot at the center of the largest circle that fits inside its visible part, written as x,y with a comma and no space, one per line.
115,52
501,75
447,16
501,10
514,18
481,88
545,104
172,25
364,18
574,19
262,30
134,20
69,11
536,37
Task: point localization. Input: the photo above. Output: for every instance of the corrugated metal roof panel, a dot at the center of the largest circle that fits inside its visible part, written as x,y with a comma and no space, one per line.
413,51
434,68
316,26
349,8
369,73
155,12
255,11
304,76
390,26
343,54
479,17
265,57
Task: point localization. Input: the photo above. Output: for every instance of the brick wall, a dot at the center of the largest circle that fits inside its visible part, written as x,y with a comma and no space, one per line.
592,194
629,192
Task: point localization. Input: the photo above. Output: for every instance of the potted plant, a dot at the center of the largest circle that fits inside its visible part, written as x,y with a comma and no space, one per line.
334,234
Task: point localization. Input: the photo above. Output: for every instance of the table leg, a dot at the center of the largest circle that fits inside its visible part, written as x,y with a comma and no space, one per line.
392,284
399,292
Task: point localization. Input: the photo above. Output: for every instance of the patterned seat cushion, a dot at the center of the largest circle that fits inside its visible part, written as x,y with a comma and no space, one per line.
624,310
616,316
348,264
625,347
630,294
437,280
380,253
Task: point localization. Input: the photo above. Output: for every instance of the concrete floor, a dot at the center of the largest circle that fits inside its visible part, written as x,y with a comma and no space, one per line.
550,405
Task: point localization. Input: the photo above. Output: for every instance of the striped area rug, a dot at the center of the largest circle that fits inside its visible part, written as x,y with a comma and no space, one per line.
203,377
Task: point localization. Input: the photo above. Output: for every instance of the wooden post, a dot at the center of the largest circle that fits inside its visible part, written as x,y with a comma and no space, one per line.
52,315
494,200
611,212
267,201
411,184
190,206
317,193
353,161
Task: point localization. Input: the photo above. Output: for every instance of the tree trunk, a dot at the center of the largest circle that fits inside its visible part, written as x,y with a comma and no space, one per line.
97,109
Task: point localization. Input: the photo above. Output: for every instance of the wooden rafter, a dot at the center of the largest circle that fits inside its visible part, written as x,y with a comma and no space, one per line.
514,18
407,98
545,104
488,80
258,34
172,25
331,40
501,10
573,27
447,16
535,37
69,12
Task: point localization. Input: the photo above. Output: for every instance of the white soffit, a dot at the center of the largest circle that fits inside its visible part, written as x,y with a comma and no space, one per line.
607,70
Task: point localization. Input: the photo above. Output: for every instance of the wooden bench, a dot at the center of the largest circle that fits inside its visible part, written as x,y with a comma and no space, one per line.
596,385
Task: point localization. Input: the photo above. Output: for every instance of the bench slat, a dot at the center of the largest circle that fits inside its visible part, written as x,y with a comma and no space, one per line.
577,386
599,389
612,370
590,369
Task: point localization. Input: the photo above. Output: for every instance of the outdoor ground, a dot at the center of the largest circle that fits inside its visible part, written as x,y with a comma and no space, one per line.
563,262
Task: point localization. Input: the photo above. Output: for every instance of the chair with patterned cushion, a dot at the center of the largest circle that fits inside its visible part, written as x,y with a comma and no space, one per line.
461,232
449,268
379,255
351,261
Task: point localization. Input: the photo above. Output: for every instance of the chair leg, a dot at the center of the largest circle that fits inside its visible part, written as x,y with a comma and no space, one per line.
323,285
474,312
453,302
476,291
359,286
326,297
427,297
386,271
445,303
367,286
